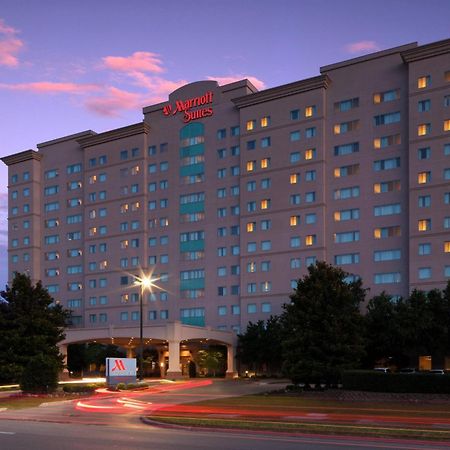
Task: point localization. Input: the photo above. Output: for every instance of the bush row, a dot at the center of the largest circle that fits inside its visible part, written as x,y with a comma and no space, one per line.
124,387
367,380
74,388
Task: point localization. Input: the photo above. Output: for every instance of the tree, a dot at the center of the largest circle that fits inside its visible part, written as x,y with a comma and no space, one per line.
260,346
31,324
211,360
323,326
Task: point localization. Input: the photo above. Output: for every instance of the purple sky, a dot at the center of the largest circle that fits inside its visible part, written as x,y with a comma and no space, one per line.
68,66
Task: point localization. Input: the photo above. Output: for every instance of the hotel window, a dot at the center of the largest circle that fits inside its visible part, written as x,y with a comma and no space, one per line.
386,141
222,153
310,175
310,197
295,242
251,308
447,198
386,255
387,278
424,273
251,267
294,136
234,210
346,149
234,191
265,163
310,132
386,164
294,178
164,147
251,247
345,171
265,142
49,174
294,114
345,193
423,129
346,236
251,206
251,227
221,291
424,225
221,173
294,221
346,105
310,154
295,263
251,186
265,266
387,210
266,183
424,249
102,160
294,157
345,127
266,245
124,155
221,193
386,119
266,224
424,153
423,82
235,150
447,125
447,271
266,307
447,247
295,199
424,201
349,258
311,218
266,286
424,105
386,186
386,232
386,96
310,111
424,177
265,121
446,101
235,131
250,125
73,168
446,174
310,239
221,134
251,166
251,145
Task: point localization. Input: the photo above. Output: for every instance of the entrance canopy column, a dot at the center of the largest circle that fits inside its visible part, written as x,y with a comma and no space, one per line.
231,367
174,370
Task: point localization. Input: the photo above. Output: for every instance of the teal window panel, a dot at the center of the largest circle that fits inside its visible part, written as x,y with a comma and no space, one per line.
192,130
193,169
196,321
197,283
193,150
194,207
192,246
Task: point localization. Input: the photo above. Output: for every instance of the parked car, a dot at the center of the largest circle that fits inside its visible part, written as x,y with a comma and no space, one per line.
437,371
382,369
408,370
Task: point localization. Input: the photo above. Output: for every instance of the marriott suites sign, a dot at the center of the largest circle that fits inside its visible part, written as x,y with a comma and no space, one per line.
185,106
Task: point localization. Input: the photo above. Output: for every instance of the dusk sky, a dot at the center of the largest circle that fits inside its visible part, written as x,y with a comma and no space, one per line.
68,66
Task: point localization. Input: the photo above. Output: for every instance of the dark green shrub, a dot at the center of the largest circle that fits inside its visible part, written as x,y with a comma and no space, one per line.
40,375
370,380
75,388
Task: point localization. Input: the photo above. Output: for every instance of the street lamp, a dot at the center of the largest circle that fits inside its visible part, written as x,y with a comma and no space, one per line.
146,283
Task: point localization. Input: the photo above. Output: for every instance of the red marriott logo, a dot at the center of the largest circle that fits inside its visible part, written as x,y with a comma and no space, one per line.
118,365
185,106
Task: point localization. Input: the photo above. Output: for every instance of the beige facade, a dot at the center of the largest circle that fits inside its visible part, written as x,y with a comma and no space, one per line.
226,195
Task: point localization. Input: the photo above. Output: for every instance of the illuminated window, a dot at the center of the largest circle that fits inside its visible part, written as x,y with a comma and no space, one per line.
345,127
265,203
92,179
251,125
447,125
310,111
310,153
447,247
294,221
92,231
135,206
310,240
387,96
265,121
251,267
103,265
251,166
251,227
124,244
266,286
424,225
265,163
294,178
124,208
423,177
423,82
423,129
135,170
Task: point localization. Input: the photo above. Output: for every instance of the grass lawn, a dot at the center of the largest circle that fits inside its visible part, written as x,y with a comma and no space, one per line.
305,414
20,402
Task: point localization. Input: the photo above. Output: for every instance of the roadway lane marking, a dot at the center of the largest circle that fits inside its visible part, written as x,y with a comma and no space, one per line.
7,432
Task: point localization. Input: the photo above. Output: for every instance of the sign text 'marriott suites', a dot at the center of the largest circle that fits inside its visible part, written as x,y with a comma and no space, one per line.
185,107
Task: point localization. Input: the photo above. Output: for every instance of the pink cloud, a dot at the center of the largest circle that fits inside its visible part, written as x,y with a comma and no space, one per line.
9,45
259,84
49,87
137,62
362,46
114,101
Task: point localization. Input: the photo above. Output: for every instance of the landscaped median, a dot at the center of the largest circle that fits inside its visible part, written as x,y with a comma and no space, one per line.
325,413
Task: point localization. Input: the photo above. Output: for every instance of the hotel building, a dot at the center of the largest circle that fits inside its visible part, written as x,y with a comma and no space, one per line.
226,194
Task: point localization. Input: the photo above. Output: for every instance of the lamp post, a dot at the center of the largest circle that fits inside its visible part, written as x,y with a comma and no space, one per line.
145,282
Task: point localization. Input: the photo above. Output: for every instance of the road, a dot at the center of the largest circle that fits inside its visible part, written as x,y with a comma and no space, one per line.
113,422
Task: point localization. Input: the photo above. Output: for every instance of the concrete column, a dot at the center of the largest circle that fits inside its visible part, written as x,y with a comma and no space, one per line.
174,370
231,368
64,375
130,352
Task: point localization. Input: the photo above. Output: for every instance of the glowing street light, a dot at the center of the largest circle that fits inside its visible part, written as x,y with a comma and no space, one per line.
146,283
